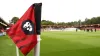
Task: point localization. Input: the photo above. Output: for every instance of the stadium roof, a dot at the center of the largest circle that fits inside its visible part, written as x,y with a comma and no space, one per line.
3,23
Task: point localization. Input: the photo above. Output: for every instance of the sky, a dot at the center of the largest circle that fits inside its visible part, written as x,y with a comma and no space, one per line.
53,10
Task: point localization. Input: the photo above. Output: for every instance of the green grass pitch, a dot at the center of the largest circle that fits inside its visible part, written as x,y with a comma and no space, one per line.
59,43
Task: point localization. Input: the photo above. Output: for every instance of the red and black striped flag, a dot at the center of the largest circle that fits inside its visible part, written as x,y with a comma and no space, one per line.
23,33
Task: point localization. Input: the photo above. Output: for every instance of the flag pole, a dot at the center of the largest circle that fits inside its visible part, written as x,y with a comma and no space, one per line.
38,27
37,47
17,51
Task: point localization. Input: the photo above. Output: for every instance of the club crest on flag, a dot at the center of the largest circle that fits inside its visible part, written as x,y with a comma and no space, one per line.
28,27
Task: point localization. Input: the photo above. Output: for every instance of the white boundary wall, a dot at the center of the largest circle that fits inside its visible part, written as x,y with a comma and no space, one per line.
66,29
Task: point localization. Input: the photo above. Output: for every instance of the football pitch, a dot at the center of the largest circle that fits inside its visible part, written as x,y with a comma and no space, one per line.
59,43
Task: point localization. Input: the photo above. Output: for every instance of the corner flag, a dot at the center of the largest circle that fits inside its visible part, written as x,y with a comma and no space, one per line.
23,33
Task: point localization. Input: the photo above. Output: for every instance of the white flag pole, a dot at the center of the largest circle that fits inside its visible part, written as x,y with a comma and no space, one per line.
37,47
38,27
17,51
